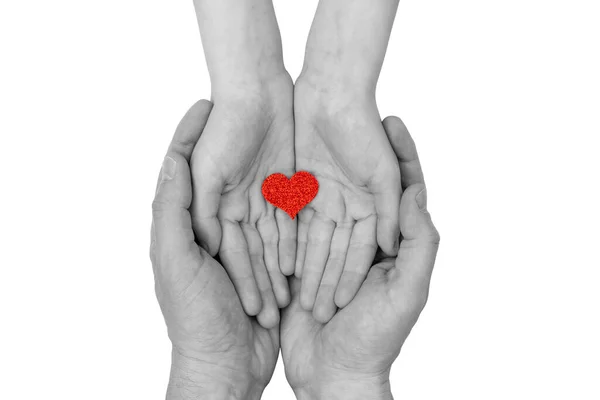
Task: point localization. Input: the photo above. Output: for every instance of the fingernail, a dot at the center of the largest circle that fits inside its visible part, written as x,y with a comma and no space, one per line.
169,168
421,199
397,243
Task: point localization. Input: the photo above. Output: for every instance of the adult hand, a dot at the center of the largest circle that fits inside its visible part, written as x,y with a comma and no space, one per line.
218,351
350,356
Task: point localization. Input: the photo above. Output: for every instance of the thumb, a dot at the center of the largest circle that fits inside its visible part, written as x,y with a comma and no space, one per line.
418,249
386,190
173,233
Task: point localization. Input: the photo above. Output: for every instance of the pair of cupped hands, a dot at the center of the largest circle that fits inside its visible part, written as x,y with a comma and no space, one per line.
351,273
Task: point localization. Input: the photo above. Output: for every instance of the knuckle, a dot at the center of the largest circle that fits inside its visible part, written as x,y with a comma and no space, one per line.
159,205
434,235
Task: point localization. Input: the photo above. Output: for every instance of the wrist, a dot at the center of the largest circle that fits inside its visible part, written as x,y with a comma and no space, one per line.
255,88
377,388
195,379
340,79
314,94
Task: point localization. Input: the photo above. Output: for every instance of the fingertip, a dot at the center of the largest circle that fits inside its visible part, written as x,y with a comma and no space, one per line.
204,105
307,301
268,318
284,301
208,234
287,266
252,305
415,220
190,128
387,203
322,313
198,113
388,235
341,297
394,128
282,296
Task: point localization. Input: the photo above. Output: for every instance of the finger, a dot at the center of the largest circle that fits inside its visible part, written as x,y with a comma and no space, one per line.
293,315
236,261
325,308
173,236
188,130
171,233
320,232
386,189
304,218
287,228
268,316
412,273
208,184
360,255
269,235
406,151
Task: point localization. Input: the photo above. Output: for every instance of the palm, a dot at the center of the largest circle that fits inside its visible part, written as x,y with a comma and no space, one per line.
243,143
206,321
342,165
347,150
362,339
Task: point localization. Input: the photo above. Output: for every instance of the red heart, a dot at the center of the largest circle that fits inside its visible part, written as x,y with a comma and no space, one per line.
291,195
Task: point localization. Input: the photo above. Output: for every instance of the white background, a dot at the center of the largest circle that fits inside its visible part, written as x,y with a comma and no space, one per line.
502,98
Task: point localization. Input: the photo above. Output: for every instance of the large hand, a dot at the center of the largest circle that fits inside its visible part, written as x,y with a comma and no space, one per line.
246,139
350,356
217,349
341,141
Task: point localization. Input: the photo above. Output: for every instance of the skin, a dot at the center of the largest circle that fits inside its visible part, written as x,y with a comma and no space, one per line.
249,136
350,356
339,138
218,350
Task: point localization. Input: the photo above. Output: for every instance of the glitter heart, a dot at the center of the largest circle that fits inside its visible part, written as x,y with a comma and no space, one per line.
291,195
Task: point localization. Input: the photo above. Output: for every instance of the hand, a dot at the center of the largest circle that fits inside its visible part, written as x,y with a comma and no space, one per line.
340,140
249,136
350,356
218,351
246,139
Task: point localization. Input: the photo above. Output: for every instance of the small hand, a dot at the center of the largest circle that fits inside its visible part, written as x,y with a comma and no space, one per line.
340,140
351,355
249,136
217,349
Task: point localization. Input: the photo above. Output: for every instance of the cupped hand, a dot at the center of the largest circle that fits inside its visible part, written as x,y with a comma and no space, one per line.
249,136
217,349
340,140
352,353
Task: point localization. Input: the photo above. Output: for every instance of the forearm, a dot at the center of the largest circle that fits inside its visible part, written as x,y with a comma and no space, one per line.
191,380
348,41
241,42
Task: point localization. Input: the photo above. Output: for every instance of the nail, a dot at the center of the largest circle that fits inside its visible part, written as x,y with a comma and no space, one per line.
421,199
397,243
169,168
